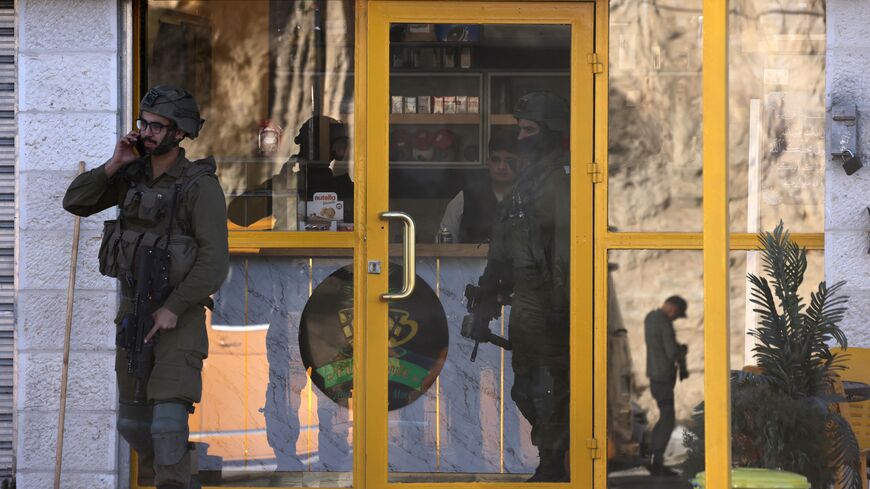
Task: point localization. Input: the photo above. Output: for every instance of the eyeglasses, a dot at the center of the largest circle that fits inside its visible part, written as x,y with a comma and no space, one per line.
156,127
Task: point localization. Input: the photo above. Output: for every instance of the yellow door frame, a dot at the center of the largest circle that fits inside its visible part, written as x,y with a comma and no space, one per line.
716,242
581,18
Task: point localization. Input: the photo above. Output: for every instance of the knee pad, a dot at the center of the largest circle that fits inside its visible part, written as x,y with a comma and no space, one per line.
169,431
134,425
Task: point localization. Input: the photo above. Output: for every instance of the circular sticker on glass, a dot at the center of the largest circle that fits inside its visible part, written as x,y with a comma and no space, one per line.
418,338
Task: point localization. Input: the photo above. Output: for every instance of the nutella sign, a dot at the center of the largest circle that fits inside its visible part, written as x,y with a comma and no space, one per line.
325,206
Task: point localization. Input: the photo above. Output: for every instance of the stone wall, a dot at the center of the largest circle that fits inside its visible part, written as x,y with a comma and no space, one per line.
68,82
846,218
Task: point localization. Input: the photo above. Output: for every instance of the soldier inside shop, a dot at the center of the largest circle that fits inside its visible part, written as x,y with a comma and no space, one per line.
469,216
527,267
288,198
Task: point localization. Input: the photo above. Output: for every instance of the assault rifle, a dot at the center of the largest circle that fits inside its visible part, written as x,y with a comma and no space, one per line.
682,368
475,325
152,288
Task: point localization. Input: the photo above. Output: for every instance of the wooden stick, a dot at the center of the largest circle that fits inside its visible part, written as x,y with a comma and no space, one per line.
66,341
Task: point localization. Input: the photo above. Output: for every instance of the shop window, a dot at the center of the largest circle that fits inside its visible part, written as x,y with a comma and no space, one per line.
776,115
274,80
642,361
277,407
654,118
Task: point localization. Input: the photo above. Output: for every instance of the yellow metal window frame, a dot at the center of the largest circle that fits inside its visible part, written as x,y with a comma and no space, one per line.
716,243
581,19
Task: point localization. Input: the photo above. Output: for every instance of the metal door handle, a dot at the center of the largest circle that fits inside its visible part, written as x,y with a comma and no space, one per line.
409,245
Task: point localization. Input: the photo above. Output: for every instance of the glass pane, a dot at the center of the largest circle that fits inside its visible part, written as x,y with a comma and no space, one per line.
655,371
479,158
274,80
654,118
277,404
798,427
777,116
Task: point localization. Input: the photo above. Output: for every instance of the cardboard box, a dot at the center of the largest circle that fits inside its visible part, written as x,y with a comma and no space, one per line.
419,32
325,206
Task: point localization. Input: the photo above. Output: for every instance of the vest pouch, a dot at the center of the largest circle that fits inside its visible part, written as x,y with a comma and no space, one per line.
109,248
152,207
130,207
182,250
127,251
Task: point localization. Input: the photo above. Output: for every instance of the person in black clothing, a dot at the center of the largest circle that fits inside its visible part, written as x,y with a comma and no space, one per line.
321,165
469,216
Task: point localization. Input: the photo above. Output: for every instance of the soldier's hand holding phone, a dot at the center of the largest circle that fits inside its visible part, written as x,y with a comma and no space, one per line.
128,149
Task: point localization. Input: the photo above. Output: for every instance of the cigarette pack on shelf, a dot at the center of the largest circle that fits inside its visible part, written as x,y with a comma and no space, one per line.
437,105
424,104
449,58
473,105
450,104
410,105
396,104
461,104
465,58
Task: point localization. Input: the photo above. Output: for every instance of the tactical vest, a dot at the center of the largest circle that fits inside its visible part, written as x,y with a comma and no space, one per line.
478,213
151,217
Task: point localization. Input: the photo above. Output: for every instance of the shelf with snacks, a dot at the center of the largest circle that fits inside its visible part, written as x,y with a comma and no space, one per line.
435,119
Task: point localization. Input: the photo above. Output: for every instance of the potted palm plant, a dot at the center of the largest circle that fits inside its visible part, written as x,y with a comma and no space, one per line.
786,417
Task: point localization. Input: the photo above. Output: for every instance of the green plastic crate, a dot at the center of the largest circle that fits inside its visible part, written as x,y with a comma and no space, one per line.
759,479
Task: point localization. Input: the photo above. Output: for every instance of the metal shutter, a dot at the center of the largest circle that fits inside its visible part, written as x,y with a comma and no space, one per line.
8,130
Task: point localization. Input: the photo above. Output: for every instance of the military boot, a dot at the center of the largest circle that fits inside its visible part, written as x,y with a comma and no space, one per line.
551,467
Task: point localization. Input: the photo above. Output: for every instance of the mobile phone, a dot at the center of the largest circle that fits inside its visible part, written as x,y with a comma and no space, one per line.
139,146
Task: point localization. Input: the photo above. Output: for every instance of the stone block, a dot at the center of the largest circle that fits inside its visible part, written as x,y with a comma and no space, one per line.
79,82
846,24
855,324
89,440
41,203
846,76
846,258
58,141
41,316
44,261
68,480
847,197
91,382
68,26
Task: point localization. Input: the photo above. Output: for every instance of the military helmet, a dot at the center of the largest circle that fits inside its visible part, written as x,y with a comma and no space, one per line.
544,107
177,105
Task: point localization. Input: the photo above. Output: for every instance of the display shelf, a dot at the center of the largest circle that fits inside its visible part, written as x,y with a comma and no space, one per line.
435,119
432,165
502,120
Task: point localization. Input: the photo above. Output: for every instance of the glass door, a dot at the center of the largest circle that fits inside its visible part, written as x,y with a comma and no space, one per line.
479,251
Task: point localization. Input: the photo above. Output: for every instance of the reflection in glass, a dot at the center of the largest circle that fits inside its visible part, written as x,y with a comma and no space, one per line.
478,145
262,420
743,318
655,365
777,115
274,80
654,118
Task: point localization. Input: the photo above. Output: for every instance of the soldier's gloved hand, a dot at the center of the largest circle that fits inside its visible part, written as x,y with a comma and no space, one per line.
480,328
